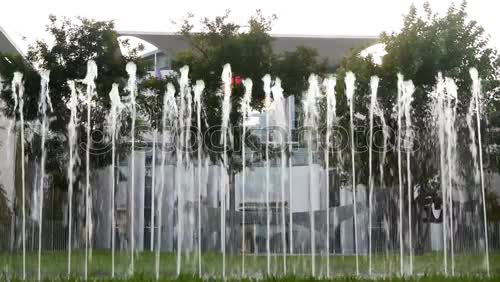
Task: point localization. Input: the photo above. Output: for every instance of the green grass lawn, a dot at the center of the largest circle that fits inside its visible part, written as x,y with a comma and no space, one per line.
428,267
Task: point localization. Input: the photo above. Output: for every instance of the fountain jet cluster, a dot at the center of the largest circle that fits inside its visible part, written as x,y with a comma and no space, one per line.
188,203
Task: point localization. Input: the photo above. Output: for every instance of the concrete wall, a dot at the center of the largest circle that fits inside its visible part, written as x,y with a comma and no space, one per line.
101,181
255,187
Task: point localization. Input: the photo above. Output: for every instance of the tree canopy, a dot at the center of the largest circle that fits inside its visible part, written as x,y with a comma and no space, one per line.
74,42
249,51
427,44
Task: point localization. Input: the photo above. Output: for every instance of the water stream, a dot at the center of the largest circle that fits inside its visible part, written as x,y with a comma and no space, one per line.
283,213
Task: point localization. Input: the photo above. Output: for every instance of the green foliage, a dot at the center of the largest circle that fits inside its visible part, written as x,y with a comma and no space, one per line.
492,207
4,204
189,278
428,267
294,68
75,41
10,63
152,105
222,41
426,45
249,51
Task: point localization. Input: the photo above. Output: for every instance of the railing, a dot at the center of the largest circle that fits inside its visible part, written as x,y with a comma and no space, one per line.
55,235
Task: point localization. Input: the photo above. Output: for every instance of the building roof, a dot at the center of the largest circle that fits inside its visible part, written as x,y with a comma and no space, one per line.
7,45
333,48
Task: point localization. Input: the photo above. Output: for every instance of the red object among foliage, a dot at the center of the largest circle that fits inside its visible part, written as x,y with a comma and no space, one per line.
237,80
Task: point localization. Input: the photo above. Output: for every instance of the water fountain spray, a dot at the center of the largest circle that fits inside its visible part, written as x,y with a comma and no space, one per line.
408,89
290,182
169,115
472,138
373,105
267,90
189,168
198,90
476,97
444,103
310,122
378,112
89,80
131,69
350,81
451,156
400,174
473,151
153,191
42,108
245,108
17,96
74,160
226,110
404,99
280,122
439,108
184,89
331,118
113,118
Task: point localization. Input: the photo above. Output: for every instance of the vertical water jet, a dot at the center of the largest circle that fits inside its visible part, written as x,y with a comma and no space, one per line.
226,78
183,93
114,114
44,105
18,97
153,192
451,157
331,117
476,97
310,123
290,184
89,80
245,108
267,104
373,106
131,69
280,123
169,114
407,98
198,90
350,81
73,161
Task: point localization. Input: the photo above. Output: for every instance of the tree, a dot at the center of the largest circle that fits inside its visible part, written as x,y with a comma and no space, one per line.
249,51
427,44
4,204
75,41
